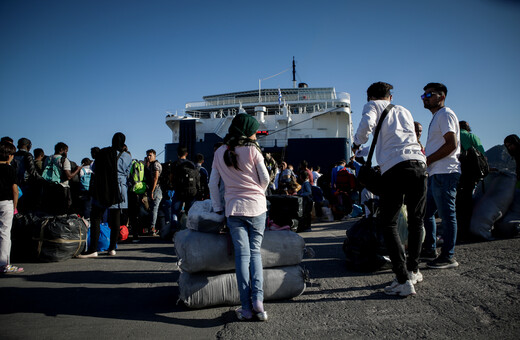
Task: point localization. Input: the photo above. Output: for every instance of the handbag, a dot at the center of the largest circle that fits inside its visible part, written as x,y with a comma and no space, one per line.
368,176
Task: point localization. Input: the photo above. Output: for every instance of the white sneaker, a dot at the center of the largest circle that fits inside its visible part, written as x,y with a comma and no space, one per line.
400,289
87,256
415,277
392,285
112,253
262,316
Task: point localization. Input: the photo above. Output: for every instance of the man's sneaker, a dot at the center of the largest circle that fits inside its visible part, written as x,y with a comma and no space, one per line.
443,263
428,255
415,277
392,285
400,289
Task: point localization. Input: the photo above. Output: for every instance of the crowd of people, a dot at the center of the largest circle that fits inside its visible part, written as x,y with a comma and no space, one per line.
115,187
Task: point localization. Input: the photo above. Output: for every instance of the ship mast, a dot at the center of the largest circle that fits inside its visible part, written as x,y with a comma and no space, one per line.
293,73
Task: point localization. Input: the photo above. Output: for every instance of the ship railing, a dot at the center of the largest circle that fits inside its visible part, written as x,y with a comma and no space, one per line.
270,98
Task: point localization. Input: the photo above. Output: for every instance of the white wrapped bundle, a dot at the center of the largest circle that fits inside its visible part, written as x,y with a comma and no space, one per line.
205,289
201,217
494,202
197,252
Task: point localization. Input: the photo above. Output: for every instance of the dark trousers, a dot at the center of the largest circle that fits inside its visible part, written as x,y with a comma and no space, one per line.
404,183
138,219
114,223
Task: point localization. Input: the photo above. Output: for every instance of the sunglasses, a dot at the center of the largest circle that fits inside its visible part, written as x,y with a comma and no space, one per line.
428,94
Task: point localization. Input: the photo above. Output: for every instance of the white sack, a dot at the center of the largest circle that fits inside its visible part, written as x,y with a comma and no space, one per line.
197,252
493,202
202,289
201,217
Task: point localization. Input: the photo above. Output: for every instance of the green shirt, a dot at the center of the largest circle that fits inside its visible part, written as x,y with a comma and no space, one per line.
467,140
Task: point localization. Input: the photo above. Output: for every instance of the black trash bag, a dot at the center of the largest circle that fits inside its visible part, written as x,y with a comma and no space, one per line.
59,238
364,247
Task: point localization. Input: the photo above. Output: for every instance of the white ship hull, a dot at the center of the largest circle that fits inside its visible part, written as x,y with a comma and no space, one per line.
299,116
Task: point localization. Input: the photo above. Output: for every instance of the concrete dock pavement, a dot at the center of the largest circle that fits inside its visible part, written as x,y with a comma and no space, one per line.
133,295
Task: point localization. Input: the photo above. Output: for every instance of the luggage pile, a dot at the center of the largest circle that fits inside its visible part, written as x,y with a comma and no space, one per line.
294,211
207,265
47,238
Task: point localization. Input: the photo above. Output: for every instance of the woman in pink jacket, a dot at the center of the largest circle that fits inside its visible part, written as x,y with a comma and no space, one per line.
240,165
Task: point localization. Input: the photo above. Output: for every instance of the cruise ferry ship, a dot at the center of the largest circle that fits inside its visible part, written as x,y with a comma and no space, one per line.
298,123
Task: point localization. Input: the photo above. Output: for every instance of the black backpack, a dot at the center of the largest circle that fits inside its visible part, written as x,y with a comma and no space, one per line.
474,165
364,246
166,177
187,179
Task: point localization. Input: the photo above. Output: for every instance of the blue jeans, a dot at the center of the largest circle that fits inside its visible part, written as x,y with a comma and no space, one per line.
247,234
442,190
154,205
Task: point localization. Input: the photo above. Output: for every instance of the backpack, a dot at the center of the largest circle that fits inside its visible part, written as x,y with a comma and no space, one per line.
187,179
19,165
52,171
364,246
474,165
84,178
345,180
166,177
137,176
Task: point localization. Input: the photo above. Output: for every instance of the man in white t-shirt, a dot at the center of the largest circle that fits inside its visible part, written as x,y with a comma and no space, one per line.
442,151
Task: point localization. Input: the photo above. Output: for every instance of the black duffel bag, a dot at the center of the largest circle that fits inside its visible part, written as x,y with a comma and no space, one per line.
370,177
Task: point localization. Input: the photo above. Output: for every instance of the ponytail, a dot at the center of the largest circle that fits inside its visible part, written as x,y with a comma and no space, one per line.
230,155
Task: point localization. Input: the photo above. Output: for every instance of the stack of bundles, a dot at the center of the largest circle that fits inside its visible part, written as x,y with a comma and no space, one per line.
48,238
493,198
207,264
290,210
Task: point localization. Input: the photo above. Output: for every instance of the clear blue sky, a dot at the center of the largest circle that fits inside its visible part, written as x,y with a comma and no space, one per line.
79,71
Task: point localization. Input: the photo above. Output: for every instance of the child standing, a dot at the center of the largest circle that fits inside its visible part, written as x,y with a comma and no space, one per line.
8,202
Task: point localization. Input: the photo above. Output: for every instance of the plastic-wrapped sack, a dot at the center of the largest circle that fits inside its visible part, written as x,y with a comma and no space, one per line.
201,217
197,252
509,225
60,237
202,290
402,227
496,196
